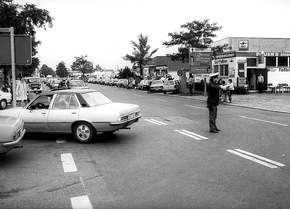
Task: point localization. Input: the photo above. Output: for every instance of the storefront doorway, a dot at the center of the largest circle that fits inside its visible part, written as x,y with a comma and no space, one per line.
253,74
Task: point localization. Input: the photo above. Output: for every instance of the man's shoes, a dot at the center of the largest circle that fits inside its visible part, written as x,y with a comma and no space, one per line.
213,131
217,129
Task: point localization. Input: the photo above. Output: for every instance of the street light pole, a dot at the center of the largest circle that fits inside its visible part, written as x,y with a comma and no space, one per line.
13,66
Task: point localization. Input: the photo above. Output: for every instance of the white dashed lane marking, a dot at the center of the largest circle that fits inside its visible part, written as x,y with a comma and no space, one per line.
191,134
266,121
256,158
81,202
68,163
202,108
156,122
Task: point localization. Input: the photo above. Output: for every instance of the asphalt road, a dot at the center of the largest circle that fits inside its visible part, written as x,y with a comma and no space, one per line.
166,160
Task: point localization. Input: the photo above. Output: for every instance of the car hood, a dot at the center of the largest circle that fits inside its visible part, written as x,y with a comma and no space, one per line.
7,120
14,112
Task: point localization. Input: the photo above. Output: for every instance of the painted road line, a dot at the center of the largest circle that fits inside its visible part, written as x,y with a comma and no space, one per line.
202,108
81,202
252,158
156,122
266,121
68,163
162,100
191,134
261,158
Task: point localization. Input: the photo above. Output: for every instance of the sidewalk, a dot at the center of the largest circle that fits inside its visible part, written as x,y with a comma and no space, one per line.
265,101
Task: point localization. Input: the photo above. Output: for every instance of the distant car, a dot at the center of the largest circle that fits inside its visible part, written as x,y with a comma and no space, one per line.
156,86
12,132
82,112
123,83
171,86
77,84
5,98
34,84
143,85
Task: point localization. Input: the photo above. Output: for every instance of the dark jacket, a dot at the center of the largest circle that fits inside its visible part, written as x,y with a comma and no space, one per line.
213,94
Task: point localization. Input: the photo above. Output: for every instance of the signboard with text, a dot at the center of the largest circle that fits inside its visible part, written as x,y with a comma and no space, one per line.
200,60
23,50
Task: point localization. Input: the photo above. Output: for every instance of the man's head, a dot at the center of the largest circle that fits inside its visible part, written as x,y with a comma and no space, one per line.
213,77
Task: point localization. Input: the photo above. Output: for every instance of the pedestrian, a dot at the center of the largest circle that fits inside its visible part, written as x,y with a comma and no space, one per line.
230,90
190,83
213,101
21,92
260,83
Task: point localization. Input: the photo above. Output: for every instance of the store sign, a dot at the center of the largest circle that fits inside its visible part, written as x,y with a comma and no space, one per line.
225,55
243,45
277,54
279,69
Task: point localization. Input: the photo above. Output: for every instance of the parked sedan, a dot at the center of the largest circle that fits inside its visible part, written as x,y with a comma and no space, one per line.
78,84
156,85
12,132
5,98
171,86
143,85
82,112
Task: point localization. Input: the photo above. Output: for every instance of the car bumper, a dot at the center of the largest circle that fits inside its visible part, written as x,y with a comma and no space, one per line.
7,146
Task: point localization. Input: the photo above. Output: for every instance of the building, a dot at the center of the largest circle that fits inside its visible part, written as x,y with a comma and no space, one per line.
247,57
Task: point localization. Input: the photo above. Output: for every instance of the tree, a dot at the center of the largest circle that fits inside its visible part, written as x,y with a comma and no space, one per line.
61,70
45,71
141,55
198,34
82,65
126,73
25,19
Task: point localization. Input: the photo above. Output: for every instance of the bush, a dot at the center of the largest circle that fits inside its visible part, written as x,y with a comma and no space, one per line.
241,90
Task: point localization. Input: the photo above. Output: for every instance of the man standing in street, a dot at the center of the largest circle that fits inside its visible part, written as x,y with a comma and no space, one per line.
213,101
260,82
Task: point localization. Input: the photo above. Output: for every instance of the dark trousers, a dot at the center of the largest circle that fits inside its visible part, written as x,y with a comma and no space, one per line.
260,87
212,117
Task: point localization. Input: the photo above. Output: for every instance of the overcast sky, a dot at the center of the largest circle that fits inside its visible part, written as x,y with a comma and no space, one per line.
103,29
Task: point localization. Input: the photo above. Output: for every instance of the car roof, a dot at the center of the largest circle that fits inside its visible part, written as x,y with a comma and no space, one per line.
69,91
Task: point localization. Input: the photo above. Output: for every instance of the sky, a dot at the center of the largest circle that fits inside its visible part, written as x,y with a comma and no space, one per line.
103,29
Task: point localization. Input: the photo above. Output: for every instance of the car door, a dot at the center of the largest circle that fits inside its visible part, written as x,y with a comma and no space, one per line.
64,111
36,113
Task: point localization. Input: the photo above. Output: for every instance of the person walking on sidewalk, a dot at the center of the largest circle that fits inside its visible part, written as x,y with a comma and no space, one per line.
260,83
213,101
230,90
190,83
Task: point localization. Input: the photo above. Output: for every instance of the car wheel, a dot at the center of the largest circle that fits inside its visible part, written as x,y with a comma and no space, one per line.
84,132
3,104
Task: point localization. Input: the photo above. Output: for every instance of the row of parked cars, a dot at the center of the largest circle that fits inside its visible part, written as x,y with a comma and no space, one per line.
165,86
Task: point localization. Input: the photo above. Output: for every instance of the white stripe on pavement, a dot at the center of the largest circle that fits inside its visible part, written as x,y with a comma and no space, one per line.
81,202
253,159
68,163
162,100
191,134
280,124
156,122
202,108
261,158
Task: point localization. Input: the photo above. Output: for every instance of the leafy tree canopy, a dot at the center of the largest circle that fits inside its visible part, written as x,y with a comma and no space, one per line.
126,73
25,19
197,34
45,71
141,54
82,65
61,70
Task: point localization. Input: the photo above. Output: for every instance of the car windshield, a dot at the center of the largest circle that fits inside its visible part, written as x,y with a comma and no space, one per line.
33,80
95,98
77,83
157,82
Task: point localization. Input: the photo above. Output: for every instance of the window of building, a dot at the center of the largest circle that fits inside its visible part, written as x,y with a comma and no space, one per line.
215,68
282,61
251,62
241,69
270,61
224,70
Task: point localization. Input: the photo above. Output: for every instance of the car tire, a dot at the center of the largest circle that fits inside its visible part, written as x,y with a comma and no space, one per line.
84,132
3,104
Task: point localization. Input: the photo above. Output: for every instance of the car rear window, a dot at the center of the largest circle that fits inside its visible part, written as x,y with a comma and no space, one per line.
95,98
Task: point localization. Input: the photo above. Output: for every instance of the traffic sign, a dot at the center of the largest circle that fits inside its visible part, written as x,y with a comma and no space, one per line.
4,30
200,60
179,72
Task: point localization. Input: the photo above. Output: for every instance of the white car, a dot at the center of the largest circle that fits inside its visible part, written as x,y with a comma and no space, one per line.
5,98
12,132
82,112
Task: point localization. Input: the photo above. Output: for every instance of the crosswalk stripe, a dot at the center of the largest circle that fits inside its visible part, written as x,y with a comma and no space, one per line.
68,163
81,202
194,134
